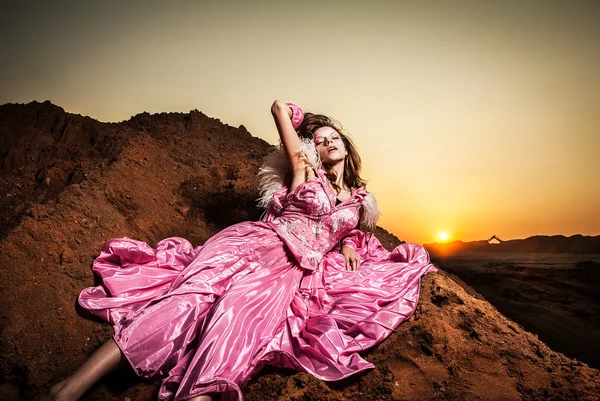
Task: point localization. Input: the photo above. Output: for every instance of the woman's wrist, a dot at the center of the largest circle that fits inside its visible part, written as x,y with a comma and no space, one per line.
297,115
280,107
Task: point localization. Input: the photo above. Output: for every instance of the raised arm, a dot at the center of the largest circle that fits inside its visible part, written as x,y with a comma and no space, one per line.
291,143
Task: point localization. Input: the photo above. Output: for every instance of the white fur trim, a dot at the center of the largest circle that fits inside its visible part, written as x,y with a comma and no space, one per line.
275,168
370,213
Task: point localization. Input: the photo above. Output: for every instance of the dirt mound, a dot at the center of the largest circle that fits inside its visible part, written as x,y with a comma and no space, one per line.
189,175
43,150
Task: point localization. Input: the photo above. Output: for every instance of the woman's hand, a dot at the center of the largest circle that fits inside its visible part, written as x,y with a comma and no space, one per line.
278,107
352,259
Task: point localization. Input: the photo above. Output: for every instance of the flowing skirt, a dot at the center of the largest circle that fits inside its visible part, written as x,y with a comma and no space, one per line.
207,319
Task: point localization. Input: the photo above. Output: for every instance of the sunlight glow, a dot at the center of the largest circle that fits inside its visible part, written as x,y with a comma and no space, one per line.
473,103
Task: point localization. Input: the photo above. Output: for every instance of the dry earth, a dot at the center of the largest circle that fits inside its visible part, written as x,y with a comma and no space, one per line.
556,296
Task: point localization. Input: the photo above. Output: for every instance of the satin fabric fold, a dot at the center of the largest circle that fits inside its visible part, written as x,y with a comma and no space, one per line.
206,319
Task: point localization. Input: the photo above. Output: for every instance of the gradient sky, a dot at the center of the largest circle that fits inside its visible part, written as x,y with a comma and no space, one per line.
473,118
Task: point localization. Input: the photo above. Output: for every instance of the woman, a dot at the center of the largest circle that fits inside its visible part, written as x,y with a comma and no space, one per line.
285,291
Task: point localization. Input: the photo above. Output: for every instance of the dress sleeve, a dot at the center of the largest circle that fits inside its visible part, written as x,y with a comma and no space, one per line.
353,239
365,244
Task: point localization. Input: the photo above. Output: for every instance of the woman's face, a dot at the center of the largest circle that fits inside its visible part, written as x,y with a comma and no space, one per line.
330,145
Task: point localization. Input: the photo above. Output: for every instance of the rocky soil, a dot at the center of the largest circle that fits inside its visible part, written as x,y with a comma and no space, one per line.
69,183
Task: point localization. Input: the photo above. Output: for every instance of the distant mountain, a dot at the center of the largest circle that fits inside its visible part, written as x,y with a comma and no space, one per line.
538,243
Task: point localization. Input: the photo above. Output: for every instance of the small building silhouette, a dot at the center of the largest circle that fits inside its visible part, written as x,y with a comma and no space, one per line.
494,237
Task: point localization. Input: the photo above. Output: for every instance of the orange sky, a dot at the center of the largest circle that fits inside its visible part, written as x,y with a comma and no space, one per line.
474,118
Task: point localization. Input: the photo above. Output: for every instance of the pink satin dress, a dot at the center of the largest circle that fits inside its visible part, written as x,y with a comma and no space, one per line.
207,319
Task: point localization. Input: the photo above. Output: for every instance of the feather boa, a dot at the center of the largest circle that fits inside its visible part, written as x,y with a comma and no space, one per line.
370,213
272,175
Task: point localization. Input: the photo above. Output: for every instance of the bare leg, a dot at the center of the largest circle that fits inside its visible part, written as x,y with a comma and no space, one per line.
103,361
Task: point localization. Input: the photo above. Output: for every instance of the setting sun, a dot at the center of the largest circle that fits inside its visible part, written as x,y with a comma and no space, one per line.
443,236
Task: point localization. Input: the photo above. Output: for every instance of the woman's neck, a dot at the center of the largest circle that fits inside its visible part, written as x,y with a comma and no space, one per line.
338,169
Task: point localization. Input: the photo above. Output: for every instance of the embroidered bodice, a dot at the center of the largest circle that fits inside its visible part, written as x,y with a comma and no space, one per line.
309,221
